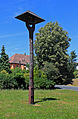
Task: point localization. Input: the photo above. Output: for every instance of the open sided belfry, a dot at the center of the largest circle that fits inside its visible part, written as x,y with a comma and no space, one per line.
30,19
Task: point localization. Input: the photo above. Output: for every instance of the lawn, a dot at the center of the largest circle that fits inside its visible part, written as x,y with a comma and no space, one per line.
49,104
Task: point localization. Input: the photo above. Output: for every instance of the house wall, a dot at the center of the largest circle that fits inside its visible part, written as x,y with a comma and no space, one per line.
77,67
23,67
13,66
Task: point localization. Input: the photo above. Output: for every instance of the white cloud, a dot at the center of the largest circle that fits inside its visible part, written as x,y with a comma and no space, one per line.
11,35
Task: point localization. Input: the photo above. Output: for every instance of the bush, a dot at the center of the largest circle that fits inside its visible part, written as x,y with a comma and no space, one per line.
52,72
76,74
4,72
18,70
18,76
7,81
41,81
19,79
26,76
14,80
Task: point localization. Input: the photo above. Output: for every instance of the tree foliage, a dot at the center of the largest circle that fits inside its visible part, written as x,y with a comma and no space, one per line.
19,79
72,63
51,46
4,61
52,72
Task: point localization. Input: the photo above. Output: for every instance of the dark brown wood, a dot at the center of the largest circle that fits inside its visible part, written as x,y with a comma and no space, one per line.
31,80
30,17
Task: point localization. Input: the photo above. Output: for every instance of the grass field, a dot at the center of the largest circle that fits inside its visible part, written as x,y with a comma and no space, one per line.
49,104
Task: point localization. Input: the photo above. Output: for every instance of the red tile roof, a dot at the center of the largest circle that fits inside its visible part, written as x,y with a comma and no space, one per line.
19,58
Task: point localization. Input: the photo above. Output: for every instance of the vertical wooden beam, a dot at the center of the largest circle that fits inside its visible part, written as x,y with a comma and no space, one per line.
31,80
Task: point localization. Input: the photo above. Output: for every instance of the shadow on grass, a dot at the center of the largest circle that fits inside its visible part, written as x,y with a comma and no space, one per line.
45,99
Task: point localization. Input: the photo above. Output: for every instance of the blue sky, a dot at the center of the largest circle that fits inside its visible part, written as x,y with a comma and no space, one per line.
14,34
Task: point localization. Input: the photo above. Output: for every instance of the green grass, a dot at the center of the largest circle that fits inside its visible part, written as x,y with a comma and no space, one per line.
49,104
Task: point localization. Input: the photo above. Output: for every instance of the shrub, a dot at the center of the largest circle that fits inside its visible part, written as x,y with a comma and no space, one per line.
7,81
18,70
41,81
52,72
19,79
18,76
76,74
14,80
4,72
26,76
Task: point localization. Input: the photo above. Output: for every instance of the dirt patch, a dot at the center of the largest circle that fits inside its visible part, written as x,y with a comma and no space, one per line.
59,93
13,114
75,82
24,102
63,102
36,105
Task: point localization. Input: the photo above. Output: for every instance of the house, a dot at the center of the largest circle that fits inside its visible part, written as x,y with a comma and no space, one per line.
19,60
77,66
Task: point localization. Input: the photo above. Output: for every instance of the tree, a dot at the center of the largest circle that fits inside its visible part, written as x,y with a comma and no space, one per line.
4,61
51,45
72,64
52,72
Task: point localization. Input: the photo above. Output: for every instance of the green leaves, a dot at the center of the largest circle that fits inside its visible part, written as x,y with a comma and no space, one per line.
51,46
4,61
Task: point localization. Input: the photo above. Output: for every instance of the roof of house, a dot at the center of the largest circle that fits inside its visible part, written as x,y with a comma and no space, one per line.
19,59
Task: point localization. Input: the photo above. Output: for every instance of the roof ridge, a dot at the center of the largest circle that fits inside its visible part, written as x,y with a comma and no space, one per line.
19,57
18,54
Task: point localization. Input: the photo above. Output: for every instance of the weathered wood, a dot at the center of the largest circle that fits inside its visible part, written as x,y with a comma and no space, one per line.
30,19
31,80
